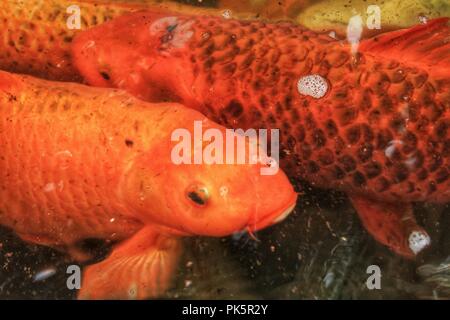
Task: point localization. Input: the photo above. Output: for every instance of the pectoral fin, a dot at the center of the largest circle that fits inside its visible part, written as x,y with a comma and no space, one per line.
392,224
139,268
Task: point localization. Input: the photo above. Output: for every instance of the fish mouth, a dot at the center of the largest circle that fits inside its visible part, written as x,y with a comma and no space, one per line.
275,217
284,215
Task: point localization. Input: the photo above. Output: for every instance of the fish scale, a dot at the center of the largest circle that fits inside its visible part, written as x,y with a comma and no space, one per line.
379,132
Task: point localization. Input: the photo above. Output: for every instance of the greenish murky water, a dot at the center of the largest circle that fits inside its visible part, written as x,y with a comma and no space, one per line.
320,252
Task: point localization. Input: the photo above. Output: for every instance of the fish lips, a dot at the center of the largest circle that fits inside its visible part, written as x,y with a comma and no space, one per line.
275,217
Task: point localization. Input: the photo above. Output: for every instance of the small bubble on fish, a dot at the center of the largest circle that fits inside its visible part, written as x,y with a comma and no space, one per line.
132,291
423,19
223,191
312,85
49,187
226,14
418,241
332,35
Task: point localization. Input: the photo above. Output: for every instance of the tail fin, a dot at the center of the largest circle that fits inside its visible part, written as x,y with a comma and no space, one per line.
426,44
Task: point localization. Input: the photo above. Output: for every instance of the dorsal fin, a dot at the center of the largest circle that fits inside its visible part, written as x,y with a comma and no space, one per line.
427,45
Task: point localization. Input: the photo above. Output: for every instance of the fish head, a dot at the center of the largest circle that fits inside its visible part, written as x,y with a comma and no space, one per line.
134,50
208,199
218,200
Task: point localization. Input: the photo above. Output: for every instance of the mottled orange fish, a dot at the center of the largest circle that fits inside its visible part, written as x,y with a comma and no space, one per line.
37,34
368,118
79,163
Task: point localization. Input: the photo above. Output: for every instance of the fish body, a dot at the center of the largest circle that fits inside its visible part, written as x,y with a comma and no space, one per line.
37,34
369,118
377,16
79,163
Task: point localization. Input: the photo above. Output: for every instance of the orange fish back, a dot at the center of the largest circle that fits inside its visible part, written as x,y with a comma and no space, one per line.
64,153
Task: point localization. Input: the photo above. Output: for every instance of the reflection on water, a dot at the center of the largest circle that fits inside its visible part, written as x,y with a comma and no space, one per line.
320,252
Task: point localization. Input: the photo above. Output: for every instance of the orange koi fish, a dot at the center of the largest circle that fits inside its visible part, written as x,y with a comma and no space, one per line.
369,118
36,34
36,37
79,163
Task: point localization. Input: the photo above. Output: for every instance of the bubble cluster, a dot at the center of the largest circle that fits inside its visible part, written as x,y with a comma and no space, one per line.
418,241
312,85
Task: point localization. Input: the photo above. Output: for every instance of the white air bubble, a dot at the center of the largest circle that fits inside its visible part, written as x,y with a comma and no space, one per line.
226,14
418,241
313,85
49,187
332,35
423,19
223,191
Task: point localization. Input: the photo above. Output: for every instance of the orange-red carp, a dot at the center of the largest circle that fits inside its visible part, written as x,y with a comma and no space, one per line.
37,34
79,163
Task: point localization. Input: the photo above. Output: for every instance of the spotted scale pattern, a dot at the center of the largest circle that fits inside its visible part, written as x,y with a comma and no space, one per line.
36,40
63,156
381,130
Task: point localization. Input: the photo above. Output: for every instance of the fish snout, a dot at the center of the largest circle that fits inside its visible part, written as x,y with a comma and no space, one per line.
274,217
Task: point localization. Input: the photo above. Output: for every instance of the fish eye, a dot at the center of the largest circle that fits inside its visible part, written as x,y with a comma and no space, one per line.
199,195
